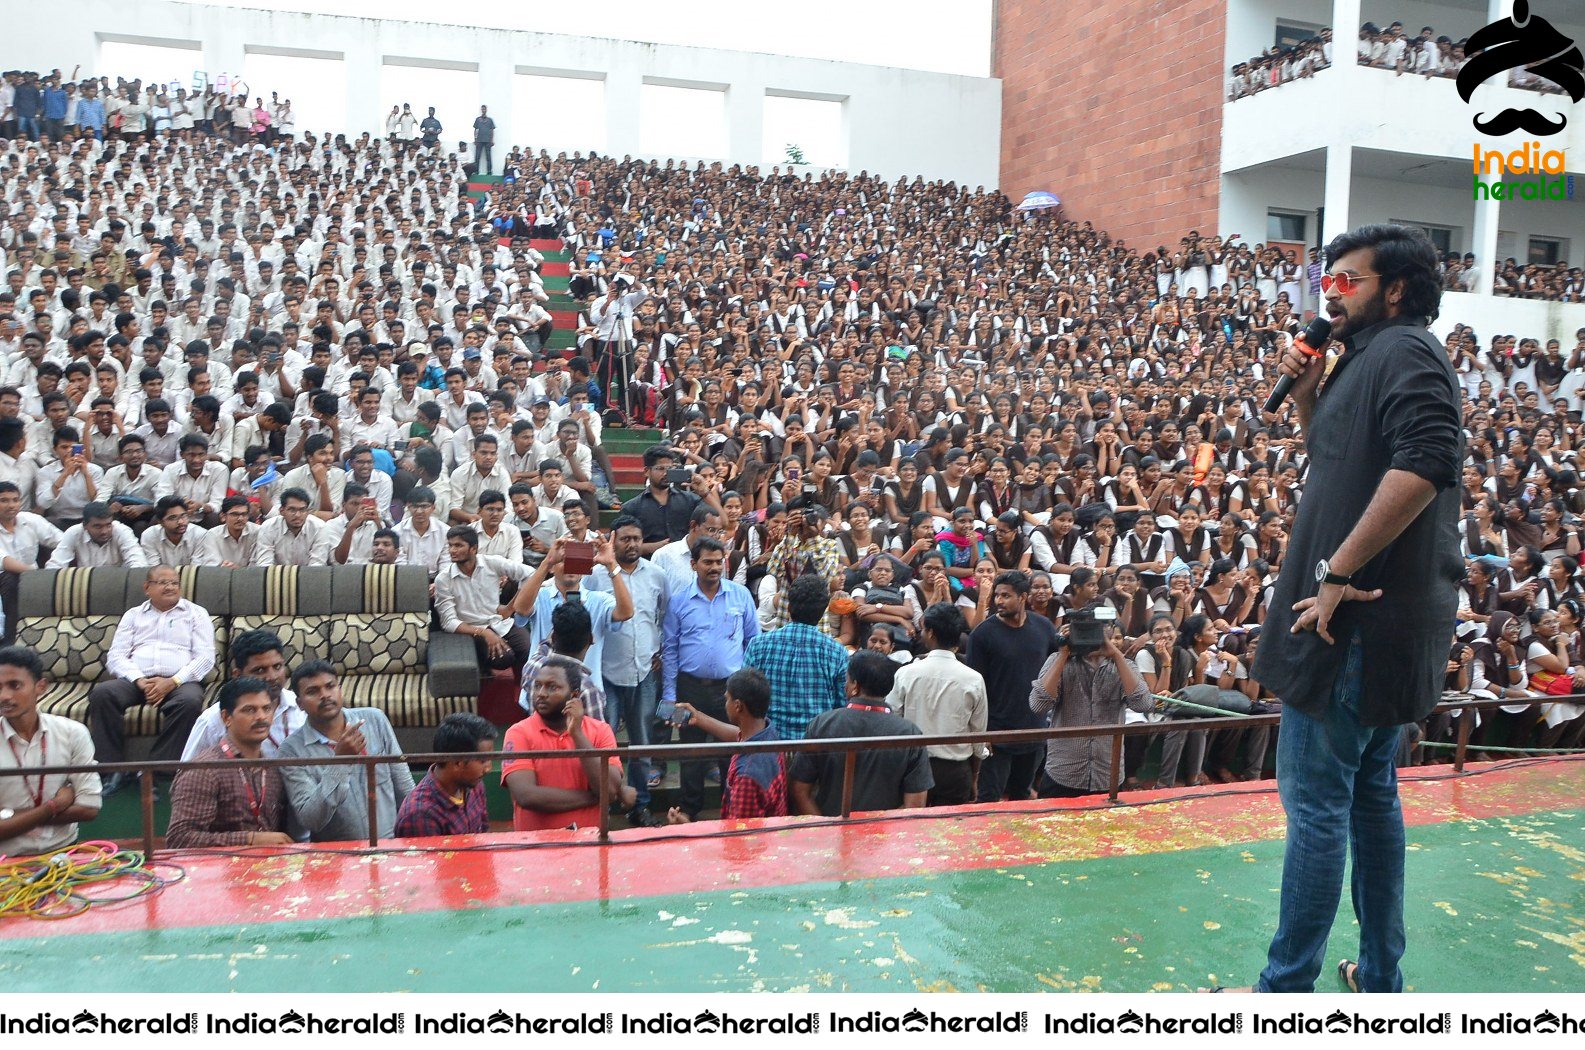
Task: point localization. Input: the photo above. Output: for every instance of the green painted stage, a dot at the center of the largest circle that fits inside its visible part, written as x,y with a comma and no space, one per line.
1167,896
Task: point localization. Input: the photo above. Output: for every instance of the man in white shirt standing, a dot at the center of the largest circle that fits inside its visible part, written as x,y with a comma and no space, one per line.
40,815
98,540
944,697
161,653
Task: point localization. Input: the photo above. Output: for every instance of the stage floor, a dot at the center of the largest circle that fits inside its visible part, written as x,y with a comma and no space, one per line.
1044,896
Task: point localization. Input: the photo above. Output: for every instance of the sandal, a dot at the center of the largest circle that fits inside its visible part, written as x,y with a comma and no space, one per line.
1348,973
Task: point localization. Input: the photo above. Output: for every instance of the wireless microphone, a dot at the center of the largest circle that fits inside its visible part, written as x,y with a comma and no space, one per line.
1312,342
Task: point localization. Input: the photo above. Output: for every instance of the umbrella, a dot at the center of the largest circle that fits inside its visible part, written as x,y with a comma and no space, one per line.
1039,199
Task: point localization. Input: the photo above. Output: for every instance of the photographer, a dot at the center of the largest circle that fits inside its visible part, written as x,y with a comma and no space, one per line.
1087,682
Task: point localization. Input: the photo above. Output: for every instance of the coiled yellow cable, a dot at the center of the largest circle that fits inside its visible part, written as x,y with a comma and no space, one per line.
55,885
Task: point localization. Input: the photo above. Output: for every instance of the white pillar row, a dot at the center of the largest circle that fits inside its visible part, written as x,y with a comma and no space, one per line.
1339,174
623,88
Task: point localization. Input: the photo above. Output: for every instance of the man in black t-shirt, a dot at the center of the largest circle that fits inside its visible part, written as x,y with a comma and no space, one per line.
1008,650
891,778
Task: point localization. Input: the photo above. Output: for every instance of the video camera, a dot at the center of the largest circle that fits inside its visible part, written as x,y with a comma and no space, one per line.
1087,626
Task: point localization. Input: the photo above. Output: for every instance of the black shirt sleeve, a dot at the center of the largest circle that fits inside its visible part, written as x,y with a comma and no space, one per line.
1420,417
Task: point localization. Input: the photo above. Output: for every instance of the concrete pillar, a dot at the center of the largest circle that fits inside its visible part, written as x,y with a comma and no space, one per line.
1488,216
496,70
1339,173
745,124
363,90
1346,20
224,51
623,88
1496,9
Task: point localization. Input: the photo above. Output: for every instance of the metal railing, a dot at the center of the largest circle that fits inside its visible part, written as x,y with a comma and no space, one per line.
849,747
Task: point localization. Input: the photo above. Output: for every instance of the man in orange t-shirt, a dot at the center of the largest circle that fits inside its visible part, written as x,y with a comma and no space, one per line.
549,793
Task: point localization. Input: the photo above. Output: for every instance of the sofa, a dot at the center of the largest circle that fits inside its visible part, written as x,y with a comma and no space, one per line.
371,621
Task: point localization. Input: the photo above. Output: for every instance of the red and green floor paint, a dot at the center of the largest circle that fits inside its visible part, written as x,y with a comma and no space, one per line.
1150,898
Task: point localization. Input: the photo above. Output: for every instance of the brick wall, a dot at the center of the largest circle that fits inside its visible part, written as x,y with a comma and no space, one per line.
1116,107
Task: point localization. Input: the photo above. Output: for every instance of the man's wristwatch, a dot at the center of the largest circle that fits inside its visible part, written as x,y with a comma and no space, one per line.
1324,574
7,814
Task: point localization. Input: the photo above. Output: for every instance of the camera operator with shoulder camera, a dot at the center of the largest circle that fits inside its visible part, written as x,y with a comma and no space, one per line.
1087,682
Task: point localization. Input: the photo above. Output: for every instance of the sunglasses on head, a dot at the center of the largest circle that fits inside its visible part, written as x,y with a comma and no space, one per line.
1344,282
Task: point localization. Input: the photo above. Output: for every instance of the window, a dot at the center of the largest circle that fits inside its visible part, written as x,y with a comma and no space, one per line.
173,64
1547,251
316,87
813,126
558,113
1444,238
453,92
682,122
1291,33
1285,225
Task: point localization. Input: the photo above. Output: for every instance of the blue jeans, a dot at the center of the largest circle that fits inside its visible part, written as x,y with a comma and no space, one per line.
637,704
1339,788
28,127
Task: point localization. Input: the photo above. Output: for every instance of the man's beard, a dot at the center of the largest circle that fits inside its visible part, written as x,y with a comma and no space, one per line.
1360,318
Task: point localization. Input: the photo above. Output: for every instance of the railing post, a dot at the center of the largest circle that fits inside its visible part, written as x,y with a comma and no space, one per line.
605,799
1464,730
146,790
369,788
1117,765
849,765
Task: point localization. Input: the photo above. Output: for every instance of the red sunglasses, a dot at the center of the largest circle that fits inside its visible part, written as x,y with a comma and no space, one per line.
1344,282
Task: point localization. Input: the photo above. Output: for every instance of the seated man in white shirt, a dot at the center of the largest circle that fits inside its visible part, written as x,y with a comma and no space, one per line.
254,654
174,541
468,601
129,487
234,543
161,653
349,538
371,427
360,471
289,537
495,536
421,537
68,483
22,537
320,477
42,816
98,540
199,481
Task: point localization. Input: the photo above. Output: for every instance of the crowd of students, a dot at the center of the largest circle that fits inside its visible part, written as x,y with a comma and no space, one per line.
318,351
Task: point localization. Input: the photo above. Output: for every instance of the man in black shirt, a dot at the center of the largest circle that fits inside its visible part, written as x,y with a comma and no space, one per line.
891,778
1008,650
1355,642
662,510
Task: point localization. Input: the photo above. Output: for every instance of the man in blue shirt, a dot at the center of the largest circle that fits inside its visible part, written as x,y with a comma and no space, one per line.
631,663
708,623
54,109
91,111
27,102
534,604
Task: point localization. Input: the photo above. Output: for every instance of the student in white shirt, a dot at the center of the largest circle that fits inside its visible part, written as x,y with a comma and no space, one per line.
98,540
